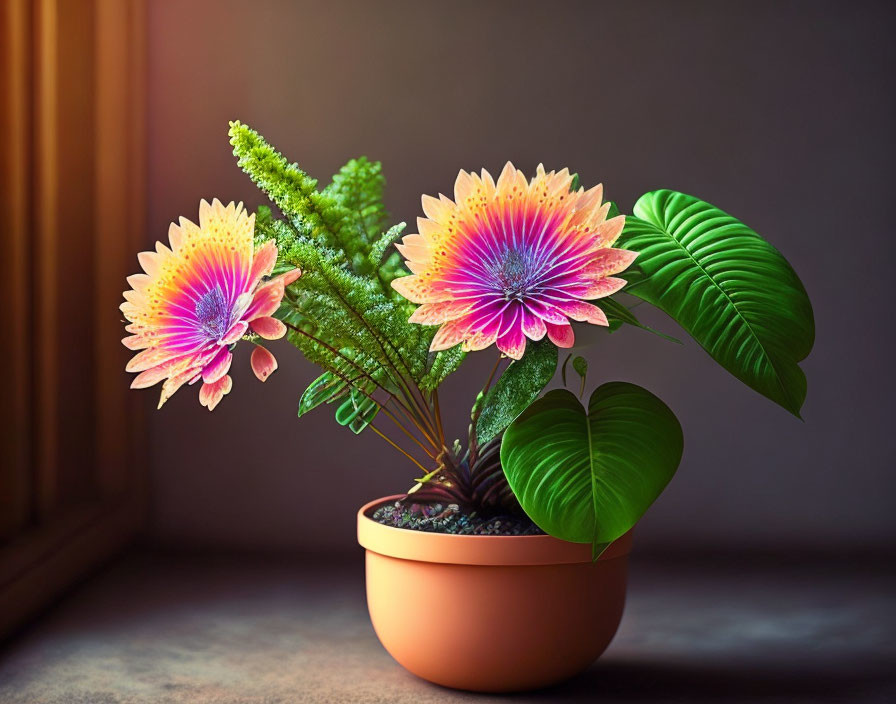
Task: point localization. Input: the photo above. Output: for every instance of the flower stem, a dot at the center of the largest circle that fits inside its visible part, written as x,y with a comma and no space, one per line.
397,447
381,406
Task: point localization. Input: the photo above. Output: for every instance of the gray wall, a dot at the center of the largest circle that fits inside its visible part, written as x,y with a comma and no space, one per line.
780,113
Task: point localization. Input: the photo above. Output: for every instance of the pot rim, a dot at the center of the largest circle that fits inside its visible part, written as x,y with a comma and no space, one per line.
494,550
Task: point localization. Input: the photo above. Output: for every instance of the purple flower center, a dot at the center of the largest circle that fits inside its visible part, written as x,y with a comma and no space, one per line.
213,314
513,274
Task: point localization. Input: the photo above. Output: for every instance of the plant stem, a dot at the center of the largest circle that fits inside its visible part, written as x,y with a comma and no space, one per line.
474,445
435,401
491,376
399,377
377,402
397,447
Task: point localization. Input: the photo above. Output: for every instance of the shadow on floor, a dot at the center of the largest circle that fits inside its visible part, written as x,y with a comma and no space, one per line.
655,682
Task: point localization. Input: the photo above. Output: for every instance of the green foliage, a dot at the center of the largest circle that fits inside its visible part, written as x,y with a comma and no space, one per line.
563,368
729,288
357,411
613,211
517,387
588,476
358,187
581,475
580,364
344,298
325,389
617,315
383,242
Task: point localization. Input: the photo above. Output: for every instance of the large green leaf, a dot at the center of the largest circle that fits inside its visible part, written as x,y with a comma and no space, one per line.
587,477
724,284
517,387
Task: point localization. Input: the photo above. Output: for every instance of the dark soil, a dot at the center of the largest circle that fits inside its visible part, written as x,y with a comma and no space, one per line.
441,518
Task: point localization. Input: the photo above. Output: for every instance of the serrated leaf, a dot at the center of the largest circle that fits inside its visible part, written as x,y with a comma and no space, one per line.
588,476
730,289
520,383
386,240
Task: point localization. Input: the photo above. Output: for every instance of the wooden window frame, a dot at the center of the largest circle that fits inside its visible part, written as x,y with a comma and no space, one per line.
67,185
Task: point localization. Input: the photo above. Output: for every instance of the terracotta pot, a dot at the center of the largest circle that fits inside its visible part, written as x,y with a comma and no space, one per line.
490,613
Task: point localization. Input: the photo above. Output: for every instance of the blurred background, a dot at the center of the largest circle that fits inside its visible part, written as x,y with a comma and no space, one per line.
780,113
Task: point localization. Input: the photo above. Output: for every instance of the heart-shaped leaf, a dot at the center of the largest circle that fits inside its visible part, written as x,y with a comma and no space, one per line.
588,476
520,383
729,288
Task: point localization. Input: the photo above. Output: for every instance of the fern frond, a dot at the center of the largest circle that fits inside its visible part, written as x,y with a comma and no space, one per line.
358,187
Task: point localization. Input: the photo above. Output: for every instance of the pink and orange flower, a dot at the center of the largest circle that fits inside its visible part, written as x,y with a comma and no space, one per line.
199,297
512,260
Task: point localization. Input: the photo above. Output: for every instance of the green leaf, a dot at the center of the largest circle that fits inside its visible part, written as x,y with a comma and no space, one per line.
520,383
580,364
325,389
263,215
730,289
386,240
563,367
613,211
617,315
357,411
587,477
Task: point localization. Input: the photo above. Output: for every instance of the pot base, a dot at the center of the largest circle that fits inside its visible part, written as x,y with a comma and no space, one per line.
495,629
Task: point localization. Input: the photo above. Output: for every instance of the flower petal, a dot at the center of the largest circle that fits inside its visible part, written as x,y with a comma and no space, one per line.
450,334
149,377
598,289
218,367
173,383
417,290
237,330
561,335
437,313
533,326
269,328
288,277
266,301
610,230
263,363
610,261
513,342
548,312
263,262
210,395
136,342
479,340
584,312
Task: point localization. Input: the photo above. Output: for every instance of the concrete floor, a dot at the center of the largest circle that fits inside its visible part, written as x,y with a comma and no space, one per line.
156,628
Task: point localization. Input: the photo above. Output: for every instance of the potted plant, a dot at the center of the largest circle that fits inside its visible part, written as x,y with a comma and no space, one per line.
528,520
